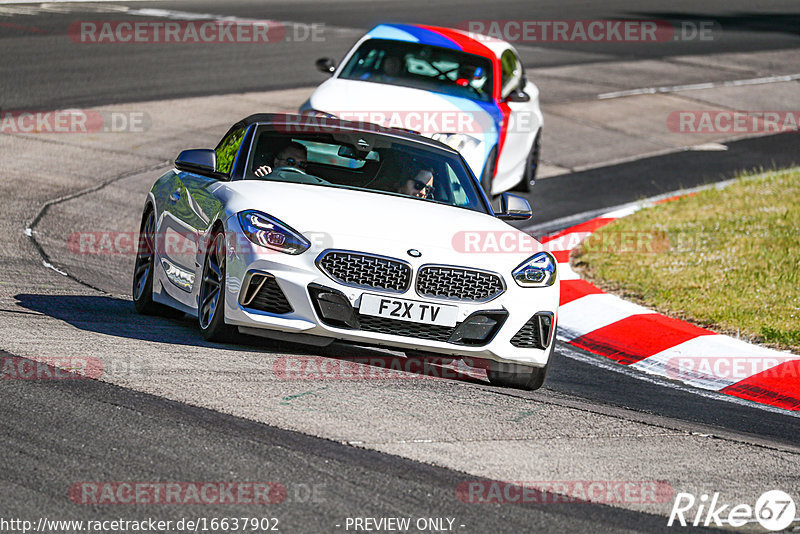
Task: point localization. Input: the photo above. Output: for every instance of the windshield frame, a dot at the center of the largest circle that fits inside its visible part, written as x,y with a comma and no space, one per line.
483,205
489,65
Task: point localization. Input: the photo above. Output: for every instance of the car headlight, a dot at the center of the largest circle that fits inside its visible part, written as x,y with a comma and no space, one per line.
269,232
460,142
537,271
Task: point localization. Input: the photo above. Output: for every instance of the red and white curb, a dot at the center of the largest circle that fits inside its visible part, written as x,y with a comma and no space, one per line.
640,338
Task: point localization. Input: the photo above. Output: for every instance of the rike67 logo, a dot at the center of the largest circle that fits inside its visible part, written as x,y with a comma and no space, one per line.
774,510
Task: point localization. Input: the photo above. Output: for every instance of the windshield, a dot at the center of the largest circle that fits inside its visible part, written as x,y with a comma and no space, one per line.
431,68
364,161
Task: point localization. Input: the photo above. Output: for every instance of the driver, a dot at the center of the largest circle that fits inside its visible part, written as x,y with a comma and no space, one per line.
293,155
421,185
391,66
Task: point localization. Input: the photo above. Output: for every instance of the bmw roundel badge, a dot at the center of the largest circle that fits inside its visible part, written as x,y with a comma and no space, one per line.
414,253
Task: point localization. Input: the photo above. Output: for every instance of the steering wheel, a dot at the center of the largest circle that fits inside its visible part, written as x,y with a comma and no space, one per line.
287,168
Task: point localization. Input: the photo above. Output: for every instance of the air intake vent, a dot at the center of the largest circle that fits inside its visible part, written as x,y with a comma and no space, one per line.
535,334
263,293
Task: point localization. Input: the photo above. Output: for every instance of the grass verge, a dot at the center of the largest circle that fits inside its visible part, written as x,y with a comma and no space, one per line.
728,260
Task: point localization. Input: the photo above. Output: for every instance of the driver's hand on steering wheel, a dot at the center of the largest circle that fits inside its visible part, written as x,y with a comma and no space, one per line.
263,170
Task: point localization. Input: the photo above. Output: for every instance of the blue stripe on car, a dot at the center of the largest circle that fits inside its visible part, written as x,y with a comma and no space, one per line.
413,34
386,31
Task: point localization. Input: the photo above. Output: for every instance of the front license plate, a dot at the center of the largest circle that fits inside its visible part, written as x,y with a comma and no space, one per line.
408,310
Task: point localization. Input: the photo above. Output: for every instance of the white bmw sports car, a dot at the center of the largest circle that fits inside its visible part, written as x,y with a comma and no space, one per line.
314,230
467,90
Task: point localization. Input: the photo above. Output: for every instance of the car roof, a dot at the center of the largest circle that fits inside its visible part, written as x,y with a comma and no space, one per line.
465,41
310,123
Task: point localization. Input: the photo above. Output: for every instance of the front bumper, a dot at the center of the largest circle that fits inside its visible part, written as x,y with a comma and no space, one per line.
517,326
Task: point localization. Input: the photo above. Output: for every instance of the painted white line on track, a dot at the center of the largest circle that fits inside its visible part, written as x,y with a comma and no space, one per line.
610,365
708,147
8,2
621,212
173,14
699,86
53,267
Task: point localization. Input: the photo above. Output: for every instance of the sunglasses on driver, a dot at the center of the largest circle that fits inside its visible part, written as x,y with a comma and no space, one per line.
419,186
292,162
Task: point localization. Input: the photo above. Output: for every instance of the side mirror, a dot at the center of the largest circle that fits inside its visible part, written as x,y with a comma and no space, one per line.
199,160
514,208
518,95
326,65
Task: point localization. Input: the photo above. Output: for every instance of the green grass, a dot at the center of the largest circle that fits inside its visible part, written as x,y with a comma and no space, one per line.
728,259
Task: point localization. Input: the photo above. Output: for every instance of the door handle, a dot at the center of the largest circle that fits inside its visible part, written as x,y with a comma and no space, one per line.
176,196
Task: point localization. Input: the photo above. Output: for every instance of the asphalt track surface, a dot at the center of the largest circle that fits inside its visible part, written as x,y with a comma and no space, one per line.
58,432
43,73
82,425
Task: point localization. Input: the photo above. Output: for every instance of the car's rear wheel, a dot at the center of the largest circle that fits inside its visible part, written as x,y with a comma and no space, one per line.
211,310
531,166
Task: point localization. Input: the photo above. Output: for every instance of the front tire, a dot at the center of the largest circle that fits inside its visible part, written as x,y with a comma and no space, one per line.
143,271
211,308
512,375
509,375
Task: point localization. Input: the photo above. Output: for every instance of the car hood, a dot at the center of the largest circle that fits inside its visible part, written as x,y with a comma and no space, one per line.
404,107
382,223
